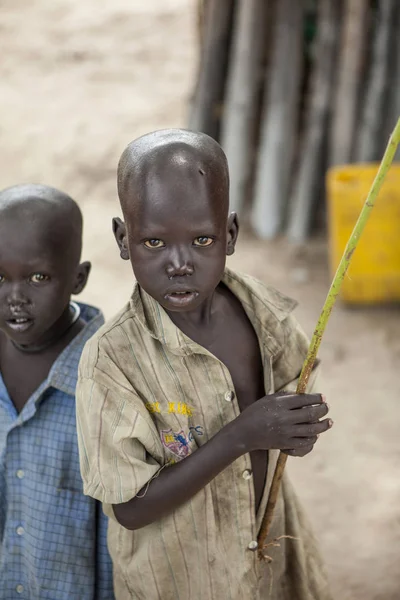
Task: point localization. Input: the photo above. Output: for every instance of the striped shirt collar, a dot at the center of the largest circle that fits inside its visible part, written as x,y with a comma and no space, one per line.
265,314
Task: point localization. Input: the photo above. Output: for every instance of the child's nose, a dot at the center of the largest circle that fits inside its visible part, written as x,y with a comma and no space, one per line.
179,265
16,298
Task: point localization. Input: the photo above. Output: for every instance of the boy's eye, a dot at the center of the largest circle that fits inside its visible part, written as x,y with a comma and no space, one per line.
38,278
203,241
154,243
2,278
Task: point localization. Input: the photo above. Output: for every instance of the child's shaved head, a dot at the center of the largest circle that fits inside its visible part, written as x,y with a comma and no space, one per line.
53,212
172,151
173,187
40,249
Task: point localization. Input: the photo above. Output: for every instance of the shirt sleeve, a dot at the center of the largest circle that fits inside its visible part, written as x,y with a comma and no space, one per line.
288,366
119,448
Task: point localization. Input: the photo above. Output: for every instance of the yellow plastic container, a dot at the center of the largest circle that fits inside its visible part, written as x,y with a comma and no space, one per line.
374,273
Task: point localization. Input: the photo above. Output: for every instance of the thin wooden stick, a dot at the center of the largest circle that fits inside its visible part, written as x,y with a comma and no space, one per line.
323,319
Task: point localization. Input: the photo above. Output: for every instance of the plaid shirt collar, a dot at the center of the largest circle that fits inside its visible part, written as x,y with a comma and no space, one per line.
63,374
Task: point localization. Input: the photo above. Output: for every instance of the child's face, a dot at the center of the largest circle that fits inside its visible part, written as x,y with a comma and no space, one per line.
36,280
177,239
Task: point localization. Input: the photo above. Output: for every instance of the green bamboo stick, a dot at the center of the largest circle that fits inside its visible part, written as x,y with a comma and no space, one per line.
323,319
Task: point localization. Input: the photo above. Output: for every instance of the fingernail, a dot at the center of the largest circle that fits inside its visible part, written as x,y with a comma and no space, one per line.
327,406
323,397
330,422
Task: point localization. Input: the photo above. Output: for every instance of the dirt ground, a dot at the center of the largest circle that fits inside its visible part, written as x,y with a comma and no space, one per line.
78,81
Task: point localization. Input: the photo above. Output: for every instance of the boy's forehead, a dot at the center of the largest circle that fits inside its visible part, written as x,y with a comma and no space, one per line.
173,168
22,235
41,216
35,218
27,234
175,186
175,203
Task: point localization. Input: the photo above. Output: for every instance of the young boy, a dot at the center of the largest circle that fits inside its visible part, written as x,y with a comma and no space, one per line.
52,537
179,416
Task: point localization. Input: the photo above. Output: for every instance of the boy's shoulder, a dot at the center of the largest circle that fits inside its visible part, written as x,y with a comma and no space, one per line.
264,297
107,336
109,325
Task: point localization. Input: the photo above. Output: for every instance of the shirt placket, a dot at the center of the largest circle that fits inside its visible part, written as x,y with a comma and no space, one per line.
15,532
241,468
14,535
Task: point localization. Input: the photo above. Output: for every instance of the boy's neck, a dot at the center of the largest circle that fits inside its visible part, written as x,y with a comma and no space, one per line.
68,323
200,318
34,365
207,323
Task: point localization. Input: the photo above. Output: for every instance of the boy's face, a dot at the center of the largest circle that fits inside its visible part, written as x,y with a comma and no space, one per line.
177,238
36,279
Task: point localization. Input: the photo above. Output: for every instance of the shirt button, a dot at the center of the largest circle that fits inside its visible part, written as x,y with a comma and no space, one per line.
20,474
229,396
20,530
247,474
253,546
20,589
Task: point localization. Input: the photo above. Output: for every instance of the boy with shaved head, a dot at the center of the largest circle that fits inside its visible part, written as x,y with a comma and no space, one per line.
180,405
52,537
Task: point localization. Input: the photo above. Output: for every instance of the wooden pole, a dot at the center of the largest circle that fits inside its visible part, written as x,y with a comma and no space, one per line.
240,105
208,95
350,72
392,105
324,317
369,134
279,120
308,177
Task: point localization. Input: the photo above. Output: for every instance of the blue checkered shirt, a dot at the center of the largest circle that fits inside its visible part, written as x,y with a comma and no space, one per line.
52,537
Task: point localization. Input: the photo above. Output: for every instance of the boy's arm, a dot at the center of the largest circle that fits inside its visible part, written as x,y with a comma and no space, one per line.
122,456
176,484
273,422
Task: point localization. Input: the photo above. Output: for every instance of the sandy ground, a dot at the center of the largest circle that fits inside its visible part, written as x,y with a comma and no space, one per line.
78,80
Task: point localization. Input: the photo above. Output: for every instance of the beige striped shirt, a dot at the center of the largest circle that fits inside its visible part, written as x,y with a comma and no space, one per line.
147,397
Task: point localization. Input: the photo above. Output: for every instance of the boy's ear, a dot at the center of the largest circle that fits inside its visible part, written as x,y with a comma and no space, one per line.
119,230
82,275
233,232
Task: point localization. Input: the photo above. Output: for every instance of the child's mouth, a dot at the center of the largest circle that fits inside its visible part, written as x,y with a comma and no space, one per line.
181,298
19,324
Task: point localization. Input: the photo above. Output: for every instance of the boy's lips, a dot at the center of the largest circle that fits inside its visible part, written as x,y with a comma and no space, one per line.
19,323
180,297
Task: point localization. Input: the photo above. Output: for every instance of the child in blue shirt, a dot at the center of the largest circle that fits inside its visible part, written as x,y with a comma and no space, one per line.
52,537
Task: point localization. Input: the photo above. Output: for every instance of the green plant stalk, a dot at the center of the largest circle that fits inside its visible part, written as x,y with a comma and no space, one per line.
323,319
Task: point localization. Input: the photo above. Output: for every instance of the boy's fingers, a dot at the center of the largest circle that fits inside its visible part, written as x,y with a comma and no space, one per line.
301,442
300,400
299,451
313,429
309,414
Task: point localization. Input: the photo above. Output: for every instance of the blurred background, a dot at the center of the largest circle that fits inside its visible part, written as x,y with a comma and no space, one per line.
290,89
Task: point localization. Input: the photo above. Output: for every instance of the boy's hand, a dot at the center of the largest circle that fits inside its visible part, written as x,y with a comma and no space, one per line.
284,421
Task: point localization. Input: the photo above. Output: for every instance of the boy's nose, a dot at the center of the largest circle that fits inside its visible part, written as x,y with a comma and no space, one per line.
16,298
179,266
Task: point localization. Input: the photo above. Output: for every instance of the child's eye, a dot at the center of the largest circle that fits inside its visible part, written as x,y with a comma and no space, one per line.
38,278
203,241
2,279
154,243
